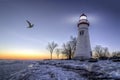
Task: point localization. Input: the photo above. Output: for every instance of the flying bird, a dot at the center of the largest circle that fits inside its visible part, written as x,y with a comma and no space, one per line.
30,25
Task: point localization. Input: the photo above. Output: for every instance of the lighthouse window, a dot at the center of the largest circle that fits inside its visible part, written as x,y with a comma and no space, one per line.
82,32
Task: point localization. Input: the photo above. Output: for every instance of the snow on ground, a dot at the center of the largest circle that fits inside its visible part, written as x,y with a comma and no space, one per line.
8,67
69,70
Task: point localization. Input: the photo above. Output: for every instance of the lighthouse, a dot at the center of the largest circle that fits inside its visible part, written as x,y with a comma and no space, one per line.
83,48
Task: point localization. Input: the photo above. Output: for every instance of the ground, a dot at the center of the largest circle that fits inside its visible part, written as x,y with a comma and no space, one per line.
68,70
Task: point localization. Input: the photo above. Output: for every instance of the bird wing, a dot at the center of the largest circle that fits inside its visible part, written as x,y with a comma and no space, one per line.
28,22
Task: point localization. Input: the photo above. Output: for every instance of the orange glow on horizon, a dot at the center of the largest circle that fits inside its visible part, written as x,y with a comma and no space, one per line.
22,55
25,55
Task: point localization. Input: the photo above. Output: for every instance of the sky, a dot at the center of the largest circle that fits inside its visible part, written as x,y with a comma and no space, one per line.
55,20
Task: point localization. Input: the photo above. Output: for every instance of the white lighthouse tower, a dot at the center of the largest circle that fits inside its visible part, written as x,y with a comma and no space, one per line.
83,48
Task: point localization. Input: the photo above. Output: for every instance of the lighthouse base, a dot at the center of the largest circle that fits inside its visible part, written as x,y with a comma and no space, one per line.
81,58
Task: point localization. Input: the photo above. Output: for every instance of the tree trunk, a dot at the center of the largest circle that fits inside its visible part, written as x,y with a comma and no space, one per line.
58,56
51,56
69,54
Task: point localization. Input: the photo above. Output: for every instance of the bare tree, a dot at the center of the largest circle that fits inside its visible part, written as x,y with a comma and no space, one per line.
73,43
57,52
101,52
116,54
98,50
106,52
51,46
69,48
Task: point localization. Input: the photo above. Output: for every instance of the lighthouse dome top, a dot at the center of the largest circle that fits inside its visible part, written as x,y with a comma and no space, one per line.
83,16
83,20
